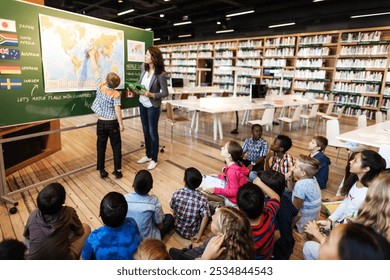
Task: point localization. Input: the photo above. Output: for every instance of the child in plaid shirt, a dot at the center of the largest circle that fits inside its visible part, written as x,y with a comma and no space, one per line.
281,160
190,207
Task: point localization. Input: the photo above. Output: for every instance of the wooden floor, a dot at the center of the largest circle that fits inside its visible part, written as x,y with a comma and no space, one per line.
85,189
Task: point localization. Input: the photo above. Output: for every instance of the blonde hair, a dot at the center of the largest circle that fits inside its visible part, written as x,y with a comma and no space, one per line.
151,249
309,165
238,239
375,209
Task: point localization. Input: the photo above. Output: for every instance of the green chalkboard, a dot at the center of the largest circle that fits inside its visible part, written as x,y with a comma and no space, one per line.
45,68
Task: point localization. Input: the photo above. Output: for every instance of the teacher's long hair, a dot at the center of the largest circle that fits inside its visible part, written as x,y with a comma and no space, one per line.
157,60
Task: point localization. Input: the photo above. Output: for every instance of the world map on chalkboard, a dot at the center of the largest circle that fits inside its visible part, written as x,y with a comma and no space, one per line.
66,63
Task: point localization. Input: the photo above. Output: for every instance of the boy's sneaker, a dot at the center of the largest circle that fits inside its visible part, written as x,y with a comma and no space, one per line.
118,174
103,174
152,165
144,159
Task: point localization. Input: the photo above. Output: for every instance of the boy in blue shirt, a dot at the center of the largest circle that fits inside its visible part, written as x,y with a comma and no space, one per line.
317,147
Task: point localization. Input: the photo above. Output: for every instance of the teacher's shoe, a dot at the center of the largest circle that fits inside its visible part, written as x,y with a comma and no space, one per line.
152,165
144,159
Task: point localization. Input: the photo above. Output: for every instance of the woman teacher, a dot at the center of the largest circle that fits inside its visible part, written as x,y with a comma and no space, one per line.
153,78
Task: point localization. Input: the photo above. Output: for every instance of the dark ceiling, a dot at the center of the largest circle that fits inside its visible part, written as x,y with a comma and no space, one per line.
204,15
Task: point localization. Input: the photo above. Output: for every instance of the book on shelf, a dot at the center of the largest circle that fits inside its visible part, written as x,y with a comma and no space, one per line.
210,181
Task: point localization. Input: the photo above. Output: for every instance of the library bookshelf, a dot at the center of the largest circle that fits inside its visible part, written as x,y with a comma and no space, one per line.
350,67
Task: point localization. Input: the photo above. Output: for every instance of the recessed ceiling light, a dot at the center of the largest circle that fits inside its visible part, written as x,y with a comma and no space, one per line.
318,0
240,13
281,25
218,22
125,12
120,1
371,15
224,31
156,39
148,29
162,15
182,23
185,35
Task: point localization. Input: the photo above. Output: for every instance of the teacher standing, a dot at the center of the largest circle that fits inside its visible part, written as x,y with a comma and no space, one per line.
153,78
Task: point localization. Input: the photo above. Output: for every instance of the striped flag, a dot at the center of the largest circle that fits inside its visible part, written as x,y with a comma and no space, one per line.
10,69
10,84
8,39
7,25
10,54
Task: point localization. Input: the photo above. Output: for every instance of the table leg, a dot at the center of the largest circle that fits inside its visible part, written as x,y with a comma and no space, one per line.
220,126
215,126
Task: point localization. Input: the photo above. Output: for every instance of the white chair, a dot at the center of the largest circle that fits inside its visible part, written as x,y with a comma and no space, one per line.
172,119
295,117
267,119
328,111
310,116
384,151
378,117
332,131
362,121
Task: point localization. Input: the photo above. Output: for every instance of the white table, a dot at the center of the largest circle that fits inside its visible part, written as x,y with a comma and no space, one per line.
373,135
219,105
195,90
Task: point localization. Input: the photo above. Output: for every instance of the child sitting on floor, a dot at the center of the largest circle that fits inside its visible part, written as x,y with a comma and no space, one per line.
146,209
306,193
54,231
190,207
235,174
317,147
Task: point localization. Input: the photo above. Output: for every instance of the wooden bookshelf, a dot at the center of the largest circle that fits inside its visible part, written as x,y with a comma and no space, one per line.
349,66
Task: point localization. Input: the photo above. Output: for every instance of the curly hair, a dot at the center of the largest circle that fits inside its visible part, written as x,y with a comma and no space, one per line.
157,60
238,239
375,209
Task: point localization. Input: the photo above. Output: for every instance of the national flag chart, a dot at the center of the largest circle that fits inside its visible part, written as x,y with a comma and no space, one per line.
10,84
9,54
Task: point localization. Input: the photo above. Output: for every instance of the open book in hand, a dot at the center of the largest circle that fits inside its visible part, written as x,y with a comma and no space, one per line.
210,181
136,88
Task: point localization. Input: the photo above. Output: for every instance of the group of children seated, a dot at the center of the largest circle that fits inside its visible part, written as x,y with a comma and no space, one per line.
267,195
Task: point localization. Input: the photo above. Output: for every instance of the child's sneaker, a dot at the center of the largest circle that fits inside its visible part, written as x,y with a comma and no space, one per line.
118,174
103,174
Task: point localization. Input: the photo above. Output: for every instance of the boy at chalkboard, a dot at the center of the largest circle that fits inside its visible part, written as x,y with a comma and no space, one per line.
107,106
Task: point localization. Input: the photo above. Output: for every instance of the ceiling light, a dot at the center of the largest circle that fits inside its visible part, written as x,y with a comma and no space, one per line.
182,23
148,29
281,25
224,31
184,35
120,1
167,0
317,1
125,12
371,15
241,13
156,39
218,22
162,15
